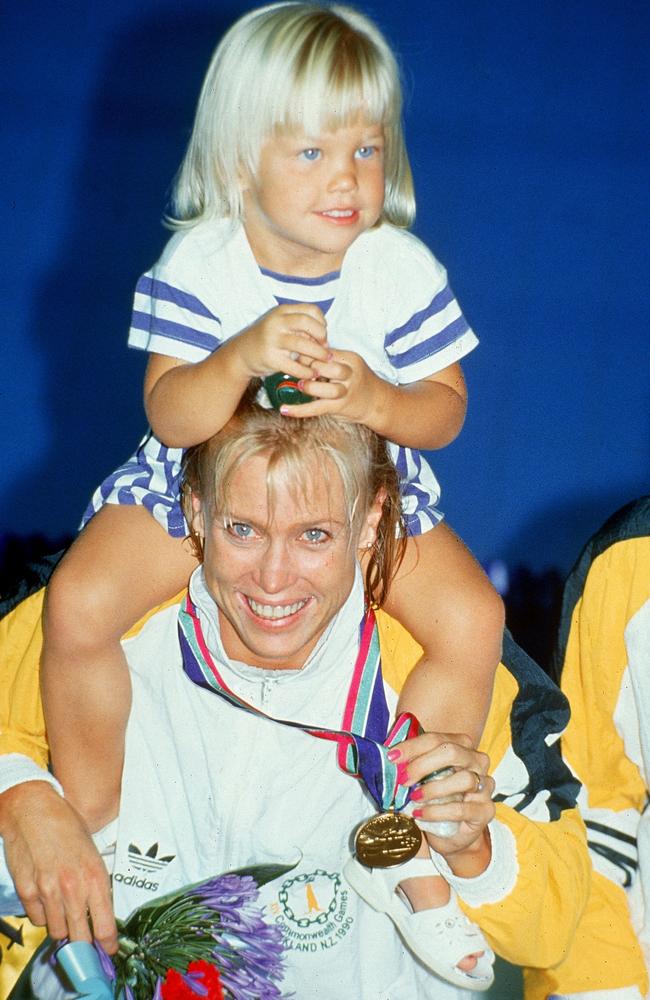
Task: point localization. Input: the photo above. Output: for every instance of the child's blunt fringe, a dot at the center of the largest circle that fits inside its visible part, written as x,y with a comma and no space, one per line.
287,67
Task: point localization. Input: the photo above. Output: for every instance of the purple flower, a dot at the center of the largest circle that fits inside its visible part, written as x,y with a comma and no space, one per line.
247,950
193,980
105,961
227,893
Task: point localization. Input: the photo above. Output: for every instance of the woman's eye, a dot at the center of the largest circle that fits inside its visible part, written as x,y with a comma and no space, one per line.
316,535
310,154
240,530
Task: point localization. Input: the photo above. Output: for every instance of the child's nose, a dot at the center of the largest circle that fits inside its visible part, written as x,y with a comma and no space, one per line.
344,177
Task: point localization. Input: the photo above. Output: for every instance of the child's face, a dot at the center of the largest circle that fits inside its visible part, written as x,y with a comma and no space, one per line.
312,196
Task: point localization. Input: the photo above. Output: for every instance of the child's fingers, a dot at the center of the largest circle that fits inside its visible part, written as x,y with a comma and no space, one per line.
301,343
335,371
323,390
318,408
295,365
305,316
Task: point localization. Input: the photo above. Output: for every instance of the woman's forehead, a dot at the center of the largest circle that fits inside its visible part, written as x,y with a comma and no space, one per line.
311,488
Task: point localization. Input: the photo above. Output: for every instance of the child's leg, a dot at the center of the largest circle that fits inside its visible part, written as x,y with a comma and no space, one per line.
121,565
444,599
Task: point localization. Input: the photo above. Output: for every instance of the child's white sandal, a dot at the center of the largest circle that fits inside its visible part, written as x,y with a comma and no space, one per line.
439,937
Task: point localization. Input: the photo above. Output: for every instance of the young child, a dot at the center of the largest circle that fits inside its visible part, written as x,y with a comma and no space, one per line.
291,255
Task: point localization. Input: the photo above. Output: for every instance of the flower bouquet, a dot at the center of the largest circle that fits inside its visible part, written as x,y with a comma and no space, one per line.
207,941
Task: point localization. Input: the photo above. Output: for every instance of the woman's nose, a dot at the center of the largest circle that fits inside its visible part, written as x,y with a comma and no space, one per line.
274,571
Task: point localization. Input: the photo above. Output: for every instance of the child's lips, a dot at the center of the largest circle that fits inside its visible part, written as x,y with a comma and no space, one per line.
340,216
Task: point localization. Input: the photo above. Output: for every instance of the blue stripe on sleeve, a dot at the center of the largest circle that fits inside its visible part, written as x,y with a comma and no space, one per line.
433,345
439,302
174,331
167,293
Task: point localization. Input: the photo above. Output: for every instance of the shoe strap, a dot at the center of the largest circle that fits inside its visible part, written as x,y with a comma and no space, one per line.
416,868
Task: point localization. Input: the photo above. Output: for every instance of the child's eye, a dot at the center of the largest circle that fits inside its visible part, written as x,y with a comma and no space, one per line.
316,535
365,152
311,154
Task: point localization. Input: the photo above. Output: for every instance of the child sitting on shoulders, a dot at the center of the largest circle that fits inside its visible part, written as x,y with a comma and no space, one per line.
291,254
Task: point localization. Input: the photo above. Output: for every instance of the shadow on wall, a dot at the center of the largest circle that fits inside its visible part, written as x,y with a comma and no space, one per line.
137,126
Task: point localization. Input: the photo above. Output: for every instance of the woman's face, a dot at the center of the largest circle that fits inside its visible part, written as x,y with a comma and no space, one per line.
280,575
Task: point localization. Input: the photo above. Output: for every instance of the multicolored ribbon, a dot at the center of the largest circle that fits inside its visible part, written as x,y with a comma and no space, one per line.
364,739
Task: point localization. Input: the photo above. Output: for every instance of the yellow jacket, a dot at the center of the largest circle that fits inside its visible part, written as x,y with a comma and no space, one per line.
606,594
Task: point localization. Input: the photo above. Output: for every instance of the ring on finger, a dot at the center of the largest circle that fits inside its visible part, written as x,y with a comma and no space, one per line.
479,782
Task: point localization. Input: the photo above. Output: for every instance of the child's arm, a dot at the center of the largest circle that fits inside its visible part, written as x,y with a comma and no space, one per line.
188,403
424,414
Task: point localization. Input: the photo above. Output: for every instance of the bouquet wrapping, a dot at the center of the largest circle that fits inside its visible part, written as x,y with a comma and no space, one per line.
207,941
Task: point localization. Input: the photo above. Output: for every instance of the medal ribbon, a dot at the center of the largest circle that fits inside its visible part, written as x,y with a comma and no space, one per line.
363,742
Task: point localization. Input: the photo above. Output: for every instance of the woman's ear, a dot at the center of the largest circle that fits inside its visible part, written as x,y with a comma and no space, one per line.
371,522
198,517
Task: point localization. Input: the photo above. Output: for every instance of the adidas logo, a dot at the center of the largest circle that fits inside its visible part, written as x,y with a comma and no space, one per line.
148,861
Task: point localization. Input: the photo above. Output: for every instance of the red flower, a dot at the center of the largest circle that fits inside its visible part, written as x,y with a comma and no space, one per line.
204,974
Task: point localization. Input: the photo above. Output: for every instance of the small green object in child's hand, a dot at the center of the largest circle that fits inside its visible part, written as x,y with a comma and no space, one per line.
283,390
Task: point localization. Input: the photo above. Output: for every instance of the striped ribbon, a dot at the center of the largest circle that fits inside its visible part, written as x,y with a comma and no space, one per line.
363,741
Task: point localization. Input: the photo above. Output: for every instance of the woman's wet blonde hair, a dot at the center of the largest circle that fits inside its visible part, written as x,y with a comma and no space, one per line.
295,449
282,68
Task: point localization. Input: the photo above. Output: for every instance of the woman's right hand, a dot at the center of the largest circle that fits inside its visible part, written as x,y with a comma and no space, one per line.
58,873
286,339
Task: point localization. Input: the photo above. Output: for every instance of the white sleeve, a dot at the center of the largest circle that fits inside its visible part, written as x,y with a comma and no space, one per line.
498,879
16,768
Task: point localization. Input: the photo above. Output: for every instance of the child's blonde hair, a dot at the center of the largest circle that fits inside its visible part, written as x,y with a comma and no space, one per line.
286,67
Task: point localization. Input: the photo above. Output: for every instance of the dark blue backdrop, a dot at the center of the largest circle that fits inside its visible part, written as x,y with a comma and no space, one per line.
528,128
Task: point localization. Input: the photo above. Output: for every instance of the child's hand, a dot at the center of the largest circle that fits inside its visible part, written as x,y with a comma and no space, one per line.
350,391
286,339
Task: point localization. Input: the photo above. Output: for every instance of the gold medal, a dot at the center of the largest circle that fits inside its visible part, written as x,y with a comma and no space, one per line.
387,840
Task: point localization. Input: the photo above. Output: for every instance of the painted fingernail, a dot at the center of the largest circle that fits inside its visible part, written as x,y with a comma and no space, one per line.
284,410
301,384
417,813
394,754
417,794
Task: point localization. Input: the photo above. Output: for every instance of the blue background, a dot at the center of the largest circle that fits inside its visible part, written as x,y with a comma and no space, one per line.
527,125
